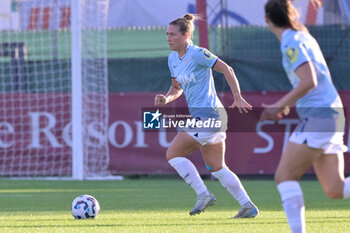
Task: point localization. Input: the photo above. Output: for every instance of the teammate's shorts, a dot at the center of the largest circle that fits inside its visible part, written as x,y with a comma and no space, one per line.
321,133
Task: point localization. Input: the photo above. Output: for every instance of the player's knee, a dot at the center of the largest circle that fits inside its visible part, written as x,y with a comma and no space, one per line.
333,193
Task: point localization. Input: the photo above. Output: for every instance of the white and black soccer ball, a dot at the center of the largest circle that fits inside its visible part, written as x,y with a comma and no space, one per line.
85,207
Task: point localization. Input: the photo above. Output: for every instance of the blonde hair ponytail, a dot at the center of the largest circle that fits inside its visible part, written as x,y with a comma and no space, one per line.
186,24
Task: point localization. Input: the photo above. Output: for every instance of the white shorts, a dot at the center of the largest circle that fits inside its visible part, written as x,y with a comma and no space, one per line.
212,134
322,133
207,137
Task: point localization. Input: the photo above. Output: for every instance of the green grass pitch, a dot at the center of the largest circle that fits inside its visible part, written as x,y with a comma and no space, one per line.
158,205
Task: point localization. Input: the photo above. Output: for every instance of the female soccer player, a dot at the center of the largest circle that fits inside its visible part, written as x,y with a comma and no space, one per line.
190,67
318,138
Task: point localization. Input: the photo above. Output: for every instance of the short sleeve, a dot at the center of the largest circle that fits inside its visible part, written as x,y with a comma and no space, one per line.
205,58
296,54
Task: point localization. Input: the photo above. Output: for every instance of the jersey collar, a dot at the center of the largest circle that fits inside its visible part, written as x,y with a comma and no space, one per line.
184,54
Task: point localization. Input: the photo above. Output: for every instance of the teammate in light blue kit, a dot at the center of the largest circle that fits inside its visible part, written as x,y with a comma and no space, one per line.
318,138
191,70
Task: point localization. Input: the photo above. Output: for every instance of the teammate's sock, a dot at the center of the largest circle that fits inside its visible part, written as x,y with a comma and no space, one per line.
293,205
189,173
232,184
346,191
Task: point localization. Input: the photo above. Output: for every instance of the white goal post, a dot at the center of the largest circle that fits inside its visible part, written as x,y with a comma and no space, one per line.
54,89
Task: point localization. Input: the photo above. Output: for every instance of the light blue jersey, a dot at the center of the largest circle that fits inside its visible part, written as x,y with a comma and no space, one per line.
323,101
193,72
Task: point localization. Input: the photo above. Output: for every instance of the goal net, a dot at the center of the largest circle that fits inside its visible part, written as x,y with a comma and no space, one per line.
36,91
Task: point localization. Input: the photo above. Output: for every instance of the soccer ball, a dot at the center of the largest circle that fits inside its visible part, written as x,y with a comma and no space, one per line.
85,207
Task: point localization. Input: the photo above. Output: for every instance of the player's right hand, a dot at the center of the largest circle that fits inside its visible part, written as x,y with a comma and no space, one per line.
160,100
273,113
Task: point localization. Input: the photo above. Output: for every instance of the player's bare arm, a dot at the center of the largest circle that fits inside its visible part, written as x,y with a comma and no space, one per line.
308,80
175,91
227,71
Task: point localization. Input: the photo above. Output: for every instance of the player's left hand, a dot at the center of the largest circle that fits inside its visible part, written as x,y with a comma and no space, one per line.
242,105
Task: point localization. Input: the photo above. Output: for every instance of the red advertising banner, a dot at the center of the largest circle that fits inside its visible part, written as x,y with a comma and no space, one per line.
249,149
35,136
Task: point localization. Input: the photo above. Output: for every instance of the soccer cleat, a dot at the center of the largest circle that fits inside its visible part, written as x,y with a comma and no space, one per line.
203,201
248,210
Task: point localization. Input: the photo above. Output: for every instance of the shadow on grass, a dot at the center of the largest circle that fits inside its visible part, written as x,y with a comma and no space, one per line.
144,225
255,223
146,195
